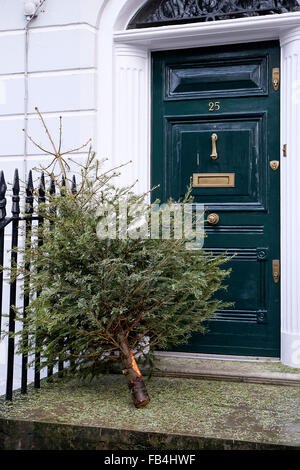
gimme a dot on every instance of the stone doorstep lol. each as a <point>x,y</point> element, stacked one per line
<point>36,435</point>
<point>230,378</point>
<point>270,372</point>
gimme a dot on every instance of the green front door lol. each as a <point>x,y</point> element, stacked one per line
<point>216,119</point>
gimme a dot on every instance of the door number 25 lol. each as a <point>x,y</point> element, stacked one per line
<point>214,106</point>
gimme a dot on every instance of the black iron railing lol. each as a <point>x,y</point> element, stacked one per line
<point>28,217</point>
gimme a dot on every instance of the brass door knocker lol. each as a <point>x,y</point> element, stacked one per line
<point>214,153</point>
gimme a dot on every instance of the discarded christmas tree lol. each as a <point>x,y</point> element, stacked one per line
<point>104,298</point>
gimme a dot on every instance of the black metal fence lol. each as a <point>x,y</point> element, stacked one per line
<point>28,216</point>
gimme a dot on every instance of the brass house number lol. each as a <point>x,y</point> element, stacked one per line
<point>214,106</point>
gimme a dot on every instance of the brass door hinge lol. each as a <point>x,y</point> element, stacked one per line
<point>276,78</point>
<point>276,270</point>
<point>284,150</point>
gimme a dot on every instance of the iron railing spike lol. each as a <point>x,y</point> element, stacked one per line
<point>29,195</point>
<point>52,187</point>
<point>74,186</point>
<point>29,184</point>
<point>16,195</point>
<point>3,186</point>
<point>16,183</point>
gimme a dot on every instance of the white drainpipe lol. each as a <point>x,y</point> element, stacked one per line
<point>31,11</point>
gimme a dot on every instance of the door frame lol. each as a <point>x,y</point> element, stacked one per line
<point>124,121</point>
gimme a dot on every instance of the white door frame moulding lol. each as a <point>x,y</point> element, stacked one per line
<point>124,88</point>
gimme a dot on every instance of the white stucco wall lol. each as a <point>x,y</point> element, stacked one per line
<point>62,70</point>
<point>62,82</point>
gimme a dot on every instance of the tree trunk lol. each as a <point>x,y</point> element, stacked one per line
<point>133,375</point>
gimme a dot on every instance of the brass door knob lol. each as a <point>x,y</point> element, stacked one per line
<point>213,219</point>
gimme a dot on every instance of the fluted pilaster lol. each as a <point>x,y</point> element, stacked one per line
<point>131,108</point>
<point>290,199</point>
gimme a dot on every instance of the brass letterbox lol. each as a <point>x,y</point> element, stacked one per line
<point>213,180</point>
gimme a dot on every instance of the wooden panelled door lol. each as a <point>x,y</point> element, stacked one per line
<point>216,119</point>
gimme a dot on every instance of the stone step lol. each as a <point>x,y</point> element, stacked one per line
<point>226,368</point>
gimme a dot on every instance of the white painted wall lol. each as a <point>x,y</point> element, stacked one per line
<point>62,82</point>
<point>62,71</point>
